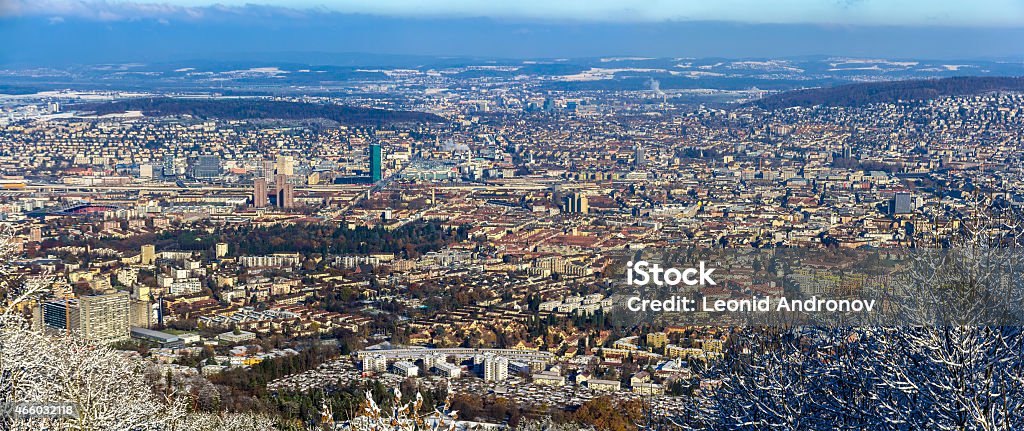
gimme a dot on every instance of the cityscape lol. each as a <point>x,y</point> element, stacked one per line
<point>441,242</point>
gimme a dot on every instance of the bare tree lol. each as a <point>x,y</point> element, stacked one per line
<point>404,416</point>
<point>958,361</point>
<point>788,380</point>
<point>951,358</point>
<point>107,387</point>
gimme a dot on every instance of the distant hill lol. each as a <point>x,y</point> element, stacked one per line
<point>243,109</point>
<point>890,92</point>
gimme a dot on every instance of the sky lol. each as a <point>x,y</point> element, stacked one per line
<point>54,31</point>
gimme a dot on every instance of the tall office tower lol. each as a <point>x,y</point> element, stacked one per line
<point>207,166</point>
<point>288,196</point>
<point>577,203</point>
<point>285,165</point>
<point>375,162</point>
<point>582,204</point>
<point>284,191</point>
<point>638,156</point>
<point>259,192</point>
<point>279,181</point>
<point>148,254</point>
<point>901,203</point>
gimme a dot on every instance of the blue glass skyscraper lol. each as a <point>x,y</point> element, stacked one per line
<point>375,160</point>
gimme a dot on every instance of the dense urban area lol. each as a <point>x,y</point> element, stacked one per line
<point>460,234</point>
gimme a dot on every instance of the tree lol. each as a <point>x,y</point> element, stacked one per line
<point>960,362</point>
<point>605,414</point>
<point>950,357</point>
<point>401,416</point>
<point>107,387</point>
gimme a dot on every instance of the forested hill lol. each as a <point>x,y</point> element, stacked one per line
<point>890,92</point>
<point>244,109</point>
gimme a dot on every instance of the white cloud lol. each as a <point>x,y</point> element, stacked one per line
<point>108,10</point>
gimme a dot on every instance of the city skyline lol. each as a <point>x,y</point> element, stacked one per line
<point>602,215</point>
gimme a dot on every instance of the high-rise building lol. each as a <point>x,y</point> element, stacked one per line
<point>375,162</point>
<point>375,363</point>
<point>288,196</point>
<point>902,203</point>
<point>148,252</point>
<point>495,368</point>
<point>577,203</point>
<point>169,167</point>
<point>259,192</point>
<point>104,318</point>
<point>60,314</point>
<point>18,244</point>
<point>285,165</point>
<point>266,168</point>
<point>284,191</point>
<point>140,314</point>
<point>207,166</point>
<point>405,369</point>
<point>99,318</point>
<point>639,159</point>
<point>221,250</point>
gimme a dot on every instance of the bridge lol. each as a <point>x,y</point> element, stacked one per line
<point>459,352</point>
<point>165,188</point>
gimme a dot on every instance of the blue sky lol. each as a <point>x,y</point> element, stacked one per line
<point>971,13</point>
<point>88,31</point>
